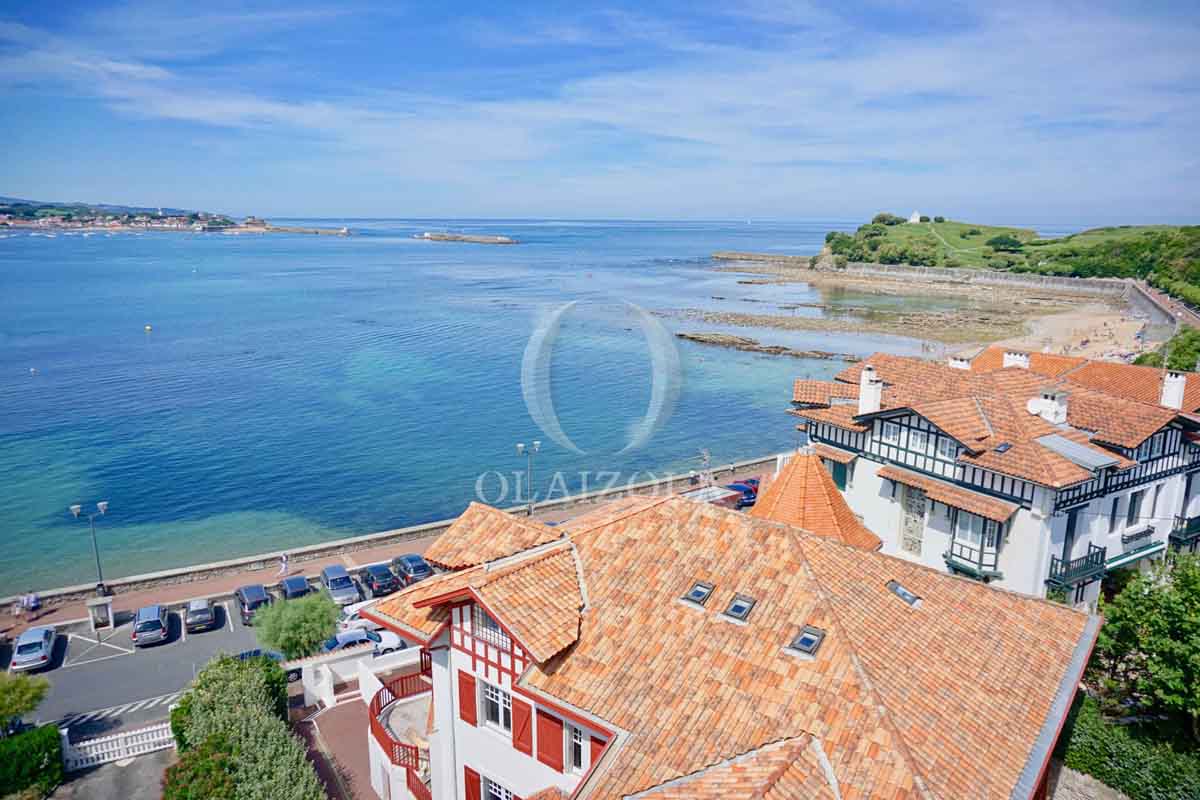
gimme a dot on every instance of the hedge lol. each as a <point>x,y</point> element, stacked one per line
<point>1128,758</point>
<point>228,682</point>
<point>31,759</point>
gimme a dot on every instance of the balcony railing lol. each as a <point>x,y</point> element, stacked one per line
<point>975,561</point>
<point>402,754</point>
<point>1186,532</point>
<point>1078,570</point>
<point>1137,538</point>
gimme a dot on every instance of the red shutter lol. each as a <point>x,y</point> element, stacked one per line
<point>549,740</point>
<point>522,721</point>
<point>597,749</point>
<point>466,699</point>
<point>471,777</point>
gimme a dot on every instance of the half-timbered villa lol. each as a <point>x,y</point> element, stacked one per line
<point>1034,471</point>
<point>659,647</point>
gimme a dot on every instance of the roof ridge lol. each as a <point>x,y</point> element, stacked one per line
<point>520,560</point>
<point>728,761</point>
<point>629,512</point>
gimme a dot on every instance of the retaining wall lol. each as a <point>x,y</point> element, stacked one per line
<point>1114,287</point>
<point>199,572</point>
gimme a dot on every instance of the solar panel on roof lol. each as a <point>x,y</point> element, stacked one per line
<point>1086,457</point>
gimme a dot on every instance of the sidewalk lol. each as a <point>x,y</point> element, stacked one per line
<point>179,593</point>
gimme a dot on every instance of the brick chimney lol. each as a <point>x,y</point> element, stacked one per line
<point>870,391</point>
<point>1172,390</point>
<point>1016,358</point>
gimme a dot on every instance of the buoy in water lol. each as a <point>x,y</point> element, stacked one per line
<point>149,328</point>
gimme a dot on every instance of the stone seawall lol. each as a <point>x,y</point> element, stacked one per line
<point>199,572</point>
<point>1111,287</point>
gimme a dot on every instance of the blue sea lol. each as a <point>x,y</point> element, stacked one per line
<point>299,388</point>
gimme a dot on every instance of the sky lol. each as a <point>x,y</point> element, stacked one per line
<point>994,112</point>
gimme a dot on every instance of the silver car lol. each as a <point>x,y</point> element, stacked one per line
<point>150,626</point>
<point>341,587</point>
<point>33,649</point>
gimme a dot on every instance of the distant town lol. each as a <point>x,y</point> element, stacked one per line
<point>16,213</point>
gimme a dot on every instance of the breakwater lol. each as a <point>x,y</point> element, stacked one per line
<point>470,238</point>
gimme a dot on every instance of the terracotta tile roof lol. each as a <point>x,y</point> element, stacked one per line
<point>1047,364</point>
<point>608,512</point>
<point>1124,423</point>
<point>1133,382</point>
<point>961,417</point>
<point>841,416</point>
<point>821,392</point>
<point>952,495</point>
<point>803,495</point>
<point>538,599</point>
<point>549,793</point>
<point>902,700</point>
<point>401,612</point>
<point>834,453</point>
<point>462,545</point>
<point>786,769</point>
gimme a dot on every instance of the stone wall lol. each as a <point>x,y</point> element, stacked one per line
<point>1067,784</point>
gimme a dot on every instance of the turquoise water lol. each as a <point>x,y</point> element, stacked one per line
<point>299,388</point>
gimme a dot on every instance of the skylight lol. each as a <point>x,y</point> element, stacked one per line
<point>699,593</point>
<point>903,593</point>
<point>808,640</point>
<point>1003,447</point>
<point>739,607</point>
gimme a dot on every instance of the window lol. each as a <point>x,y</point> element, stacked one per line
<point>488,630</point>
<point>739,607</point>
<point>1156,445</point>
<point>699,593</point>
<point>1134,513</point>
<point>1154,505</point>
<point>890,432</point>
<point>494,791</point>
<point>918,441</point>
<point>497,707</point>
<point>904,594</point>
<point>946,448</point>
<point>1112,514</point>
<point>808,640</point>
<point>576,763</point>
<point>976,530</point>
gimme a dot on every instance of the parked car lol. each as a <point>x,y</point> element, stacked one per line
<point>200,616</point>
<point>385,641</point>
<point>294,586</point>
<point>411,568</point>
<point>150,626</point>
<point>250,599</point>
<point>748,496</point>
<point>33,649</point>
<point>753,483</point>
<point>340,585</point>
<point>379,580</point>
<point>350,619</point>
<point>293,673</point>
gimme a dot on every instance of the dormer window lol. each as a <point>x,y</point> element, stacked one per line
<point>699,593</point>
<point>807,641</point>
<point>903,593</point>
<point>740,607</point>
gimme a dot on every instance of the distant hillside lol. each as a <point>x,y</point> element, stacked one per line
<point>1165,255</point>
<point>8,204</point>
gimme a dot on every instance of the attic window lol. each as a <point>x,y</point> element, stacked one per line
<point>739,607</point>
<point>1003,447</point>
<point>903,593</point>
<point>699,593</point>
<point>808,640</point>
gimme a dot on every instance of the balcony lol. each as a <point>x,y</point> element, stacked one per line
<point>1186,533</point>
<point>1136,539</point>
<point>1084,569</point>
<point>967,559</point>
<point>393,723</point>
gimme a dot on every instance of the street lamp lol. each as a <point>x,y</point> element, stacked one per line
<point>529,452</point>
<point>101,508</point>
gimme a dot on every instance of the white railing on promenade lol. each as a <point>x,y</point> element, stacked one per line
<point>115,747</point>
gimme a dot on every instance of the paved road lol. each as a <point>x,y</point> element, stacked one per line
<point>100,685</point>
<point>139,777</point>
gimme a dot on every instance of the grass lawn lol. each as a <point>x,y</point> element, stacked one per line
<point>954,239</point>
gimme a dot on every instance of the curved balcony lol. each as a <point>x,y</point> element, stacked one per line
<point>385,722</point>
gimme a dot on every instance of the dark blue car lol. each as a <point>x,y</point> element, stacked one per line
<point>749,496</point>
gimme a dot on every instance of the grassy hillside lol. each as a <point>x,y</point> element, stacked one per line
<point>941,242</point>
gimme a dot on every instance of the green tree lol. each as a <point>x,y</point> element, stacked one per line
<point>1148,652</point>
<point>20,694</point>
<point>884,218</point>
<point>1005,243</point>
<point>297,628</point>
<point>939,219</point>
<point>1181,351</point>
<point>227,682</point>
<point>202,773</point>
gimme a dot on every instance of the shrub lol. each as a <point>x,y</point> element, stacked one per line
<point>297,628</point>
<point>924,218</point>
<point>939,219</point>
<point>884,218</point>
<point>1005,243</point>
<point>20,694</point>
<point>1129,758</point>
<point>202,773</point>
<point>973,232</point>
<point>227,685</point>
<point>31,759</point>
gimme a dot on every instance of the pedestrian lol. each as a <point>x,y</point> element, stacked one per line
<point>35,605</point>
<point>283,565</point>
<point>18,608</point>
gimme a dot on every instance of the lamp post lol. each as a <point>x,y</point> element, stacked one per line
<point>101,508</point>
<point>529,452</point>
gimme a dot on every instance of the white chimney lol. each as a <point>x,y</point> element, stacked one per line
<point>959,362</point>
<point>1052,407</point>
<point>870,391</point>
<point>1172,390</point>
<point>1015,358</point>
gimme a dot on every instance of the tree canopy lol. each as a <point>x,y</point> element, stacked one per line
<point>20,694</point>
<point>297,627</point>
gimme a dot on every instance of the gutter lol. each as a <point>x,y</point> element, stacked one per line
<point>1034,771</point>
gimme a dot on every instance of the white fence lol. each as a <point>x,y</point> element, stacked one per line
<point>115,747</point>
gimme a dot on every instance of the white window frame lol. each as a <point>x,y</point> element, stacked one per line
<point>924,446</point>
<point>574,736</point>
<point>485,628</point>
<point>979,532</point>
<point>889,432</point>
<point>1131,519</point>
<point>503,703</point>
<point>495,791</point>
<point>947,448</point>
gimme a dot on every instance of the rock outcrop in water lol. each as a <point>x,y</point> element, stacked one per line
<point>754,346</point>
